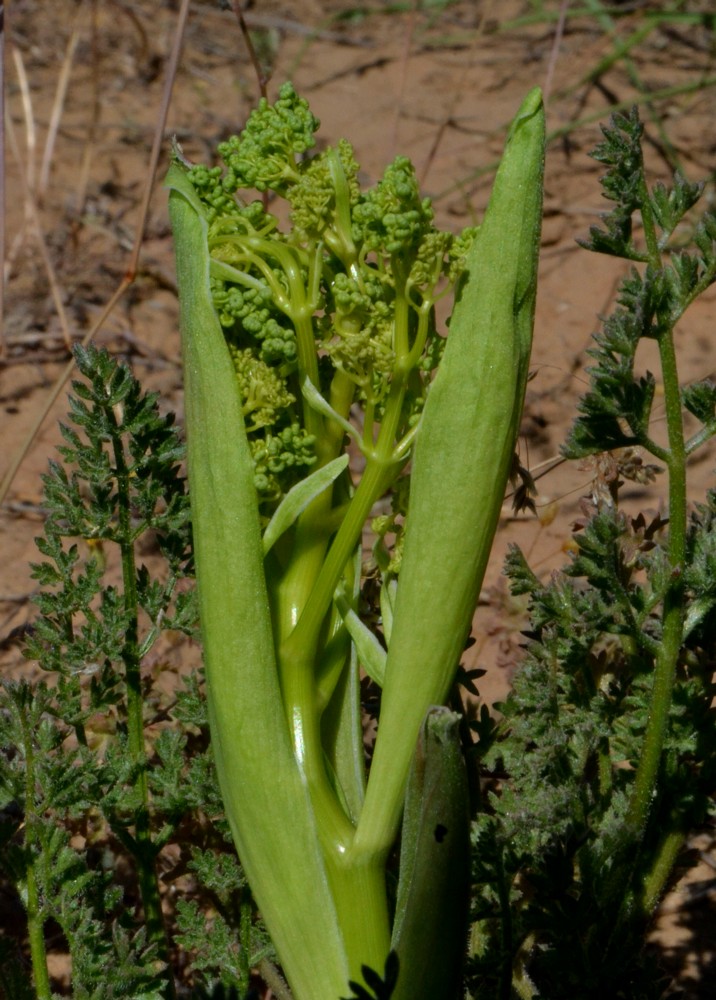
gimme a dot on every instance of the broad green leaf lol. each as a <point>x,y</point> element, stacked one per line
<point>261,783</point>
<point>463,456</point>
<point>299,497</point>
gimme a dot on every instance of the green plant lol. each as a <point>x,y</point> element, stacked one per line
<point>602,760</point>
<point>285,335</point>
<point>606,748</point>
<point>103,773</point>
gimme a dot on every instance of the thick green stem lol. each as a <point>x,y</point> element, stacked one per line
<point>308,367</point>
<point>315,525</point>
<point>358,885</point>
<point>301,644</point>
<point>297,662</point>
<point>362,910</point>
<point>298,651</point>
<point>292,592</point>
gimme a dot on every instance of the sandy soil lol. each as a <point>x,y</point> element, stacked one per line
<point>437,81</point>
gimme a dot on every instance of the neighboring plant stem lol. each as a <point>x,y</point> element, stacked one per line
<point>653,885</point>
<point>144,848</point>
<point>35,915</point>
<point>673,610</point>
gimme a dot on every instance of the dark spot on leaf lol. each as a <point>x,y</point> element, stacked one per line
<point>440,833</point>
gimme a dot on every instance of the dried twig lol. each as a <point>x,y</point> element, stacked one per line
<point>26,174</point>
<point>134,257</point>
<point>56,115</point>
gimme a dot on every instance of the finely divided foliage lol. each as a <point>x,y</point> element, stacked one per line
<point>607,744</point>
<point>100,770</point>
